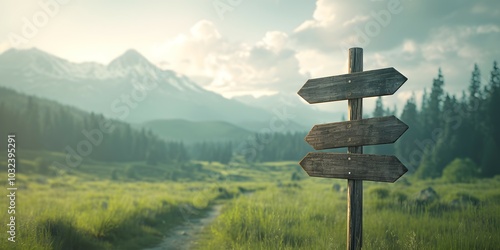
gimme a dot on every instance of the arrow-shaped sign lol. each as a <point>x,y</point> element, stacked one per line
<point>351,86</point>
<point>372,131</point>
<point>353,166</point>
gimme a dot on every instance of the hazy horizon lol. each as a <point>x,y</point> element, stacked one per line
<point>224,48</point>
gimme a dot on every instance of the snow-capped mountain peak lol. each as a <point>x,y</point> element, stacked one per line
<point>129,88</point>
<point>131,58</point>
<point>132,63</point>
<point>33,61</point>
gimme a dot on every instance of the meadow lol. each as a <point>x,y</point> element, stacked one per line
<point>97,206</point>
<point>311,215</point>
<point>270,205</point>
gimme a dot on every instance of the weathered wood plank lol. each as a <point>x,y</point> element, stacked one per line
<point>385,168</point>
<point>372,131</point>
<point>355,187</point>
<point>351,86</point>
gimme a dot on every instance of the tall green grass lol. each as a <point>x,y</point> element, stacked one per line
<point>310,215</point>
<point>103,206</point>
<point>81,211</point>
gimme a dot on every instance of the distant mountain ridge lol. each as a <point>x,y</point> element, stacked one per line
<point>129,87</point>
<point>189,131</point>
<point>132,89</point>
<point>303,113</point>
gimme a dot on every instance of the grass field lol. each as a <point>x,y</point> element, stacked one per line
<point>111,206</point>
<point>311,215</point>
<point>133,205</point>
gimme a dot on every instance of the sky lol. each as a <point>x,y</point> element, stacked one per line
<point>258,47</point>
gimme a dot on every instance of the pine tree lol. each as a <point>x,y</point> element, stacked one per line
<point>490,159</point>
<point>386,149</point>
<point>227,153</point>
<point>128,143</point>
<point>433,118</point>
<point>432,125</point>
<point>475,86</point>
<point>142,146</point>
<point>379,108</point>
<point>31,126</point>
<point>182,154</point>
<point>490,156</point>
<point>475,119</point>
<point>425,98</point>
<point>406,149</point>
<point>493,103</point>
<point>448,146</point>
<point>49,134</point>
<point>66,127</point>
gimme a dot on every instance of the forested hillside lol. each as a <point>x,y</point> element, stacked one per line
<point>445,127</point>
<point>46,125</point>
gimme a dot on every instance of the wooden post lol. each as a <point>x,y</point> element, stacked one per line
<point>355,187</point>
<point>354,134</point>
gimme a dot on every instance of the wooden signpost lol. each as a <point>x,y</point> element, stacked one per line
<point>354,134</point>
<point>353,166</point>
<point>351,86</point>
<point>372,131</point>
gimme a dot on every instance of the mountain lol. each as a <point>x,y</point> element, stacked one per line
<point>129,88</point>
<point>42,124</point>
<point>302,115</point>
<point>132,89</point>
<point>188,131</point>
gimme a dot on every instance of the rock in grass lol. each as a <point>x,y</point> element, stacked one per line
<point>426,196</point>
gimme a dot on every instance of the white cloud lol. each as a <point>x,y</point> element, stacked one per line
<point>449,43</point>
<point>274,40</point>
<point>4,46</point>
<point>325,11</point>
<point>318,64</point>
<point>231,68</point>
<point>485,9</point>
<point>491,28</point>
<point>323,16</point>
<point>205,30</point>
<point>317,47</point>
<point>410,47</point>
<point>380,60</point>
<point>383,25</point>
<point>340,24</point>
<point>355,20</point>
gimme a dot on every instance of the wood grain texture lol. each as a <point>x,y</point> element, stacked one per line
<point>384,168</point>
<point>372,131</point>
<point>355,187</point>
<point>351,86</point>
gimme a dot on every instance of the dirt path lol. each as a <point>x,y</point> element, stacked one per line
<point>183,237</point>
